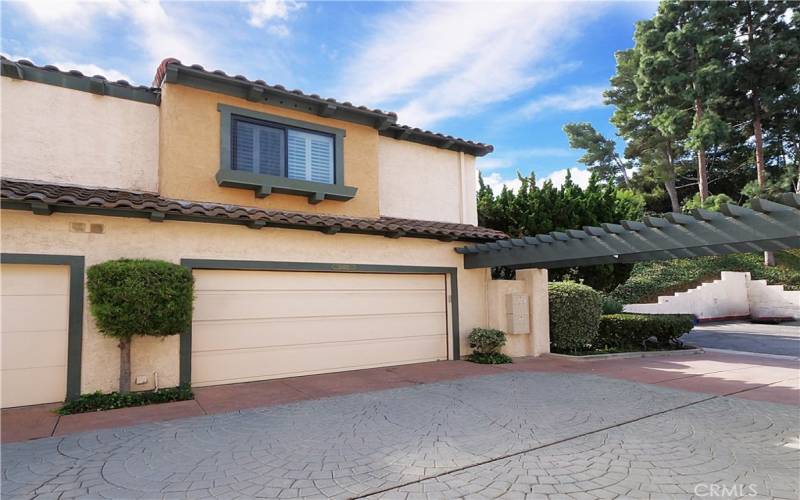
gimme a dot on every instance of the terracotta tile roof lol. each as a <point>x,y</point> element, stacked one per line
<point>385,121</point>
<point>21,194</point>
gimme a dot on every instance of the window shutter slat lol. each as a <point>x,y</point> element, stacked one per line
<point>270,151</point>
<point>245,146</point>
<point>297,156</point>
<point>321,159</point>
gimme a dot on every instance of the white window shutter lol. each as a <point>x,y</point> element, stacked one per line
<point>310,157</point>
<point>259,149</point>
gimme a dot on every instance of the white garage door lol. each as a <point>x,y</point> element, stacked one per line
<point>35,320</point>
<point>256,325</point>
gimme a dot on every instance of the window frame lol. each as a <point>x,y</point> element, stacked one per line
<point>265,184</point>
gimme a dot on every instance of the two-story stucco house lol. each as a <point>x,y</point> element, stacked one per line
<point>321,234</point>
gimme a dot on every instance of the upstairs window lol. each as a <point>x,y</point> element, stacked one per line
<point>274,149</point>
<point>277,154</point>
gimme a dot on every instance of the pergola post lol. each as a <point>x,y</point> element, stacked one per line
<point>535,281</point>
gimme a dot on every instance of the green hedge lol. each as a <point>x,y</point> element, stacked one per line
<point>648,280</point>
<point>629,331</point>
<point>574,316</point>
<point>140,297</point>
<point>98,401</point>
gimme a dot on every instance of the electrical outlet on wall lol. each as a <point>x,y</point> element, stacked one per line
<point>141,379</point>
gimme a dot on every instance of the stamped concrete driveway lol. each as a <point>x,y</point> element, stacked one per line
<point>781,339</point>
<point>506,435</point>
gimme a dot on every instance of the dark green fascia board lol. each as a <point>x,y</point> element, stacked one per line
<point>264,185</point>
<point>250,265</point>
<point>76,264</point>
<point>82,83</point>
<point>434,140</point>
<point>253,91</point>
<point>148,214</point>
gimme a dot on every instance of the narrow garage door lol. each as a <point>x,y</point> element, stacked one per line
<point>33,336</point>
<point>255,325</point>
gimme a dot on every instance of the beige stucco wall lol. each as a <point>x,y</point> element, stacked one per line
<point>24,232</point>
<point>190,155</point>
<point>50,133</point>
<point>533,284</point>
<point>423,182</point>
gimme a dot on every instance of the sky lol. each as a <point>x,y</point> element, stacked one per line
<point>506,74</point>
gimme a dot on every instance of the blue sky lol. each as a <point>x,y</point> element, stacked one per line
<point>508,74</point>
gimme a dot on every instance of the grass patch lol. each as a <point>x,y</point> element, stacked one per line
<point>99,401</point>
<point>491,358</point>
<point>649,280</point>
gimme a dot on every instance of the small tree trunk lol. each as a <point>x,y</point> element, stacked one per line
<point>669,183</point>
<point>125,365</point>
<point>702,173</point>
<point>673,195</point>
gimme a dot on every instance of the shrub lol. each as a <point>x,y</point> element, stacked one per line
<point>139,297</point>
<point>610,305</point>
<point>486,344</point>
<point>574,316</point>
<point>99,401</point>
<point>629,331</point>
<point>651,279</point>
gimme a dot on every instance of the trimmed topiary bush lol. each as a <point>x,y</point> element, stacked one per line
<point>629,331</point>
<point>486,344</point>
<point>610,305</point>
<point>139,297</point>
<point>574,316</point>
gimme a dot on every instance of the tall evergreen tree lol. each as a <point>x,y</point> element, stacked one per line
<point>601,153</point>
<point>682,69</point>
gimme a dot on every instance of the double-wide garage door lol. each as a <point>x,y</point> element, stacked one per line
<point>33,335</point>
<point>256,325</point>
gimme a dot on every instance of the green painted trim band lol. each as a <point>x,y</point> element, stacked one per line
<point>147,214</point>
<point>251,265</point>
<point>82,83</point>
<point>76,266</point>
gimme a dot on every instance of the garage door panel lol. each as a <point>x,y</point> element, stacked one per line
<point>34,333</point>
<point>304,303</point>
<point>49,348</point>
<point>24,313</point>
<point>292,280</point>
<point>216,335</point>
<point>256,325</point>
<point>30,386</point>
<point>262,364</point>
<point>26,279</point>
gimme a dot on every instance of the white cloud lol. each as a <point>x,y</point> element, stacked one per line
<point>69,15</point>
<point>580,176</point>
<point>157,33</point>
<point>92,70</point>
<point>273,14</point>
<point>574,99</point>
<point>516,157</point>
<point>444,59</point>
<point>496,182</point>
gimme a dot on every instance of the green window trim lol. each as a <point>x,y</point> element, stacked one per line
<point>185,355</point>
<point>263,184</point>
<point>75,323</point>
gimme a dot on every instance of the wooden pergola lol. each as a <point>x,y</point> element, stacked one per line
<point>767,226</point>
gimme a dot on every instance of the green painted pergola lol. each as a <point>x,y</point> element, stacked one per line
<point>767,226</point>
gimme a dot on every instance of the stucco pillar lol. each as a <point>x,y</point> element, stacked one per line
<point>535,281</point>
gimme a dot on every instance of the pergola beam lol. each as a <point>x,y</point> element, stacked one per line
<point>768,226</point>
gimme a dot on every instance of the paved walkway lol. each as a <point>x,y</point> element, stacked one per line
<point>539,427</point>
<point>781,339</point>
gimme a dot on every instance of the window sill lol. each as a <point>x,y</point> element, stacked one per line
<point>264,185</point>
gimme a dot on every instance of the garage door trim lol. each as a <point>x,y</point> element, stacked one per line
<point>76,264</point>
<point>250,265</point>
